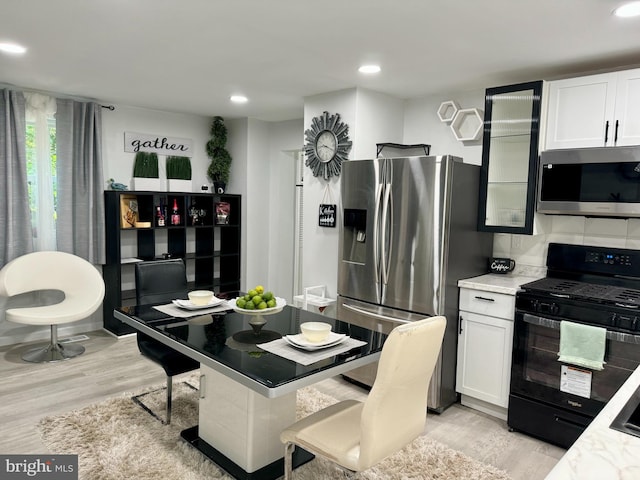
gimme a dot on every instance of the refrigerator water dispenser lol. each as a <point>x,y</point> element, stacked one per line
<point>354,235</point>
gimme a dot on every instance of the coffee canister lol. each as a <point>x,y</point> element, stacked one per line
<point>502,265</point>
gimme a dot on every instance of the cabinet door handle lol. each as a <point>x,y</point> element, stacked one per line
<point>485,299</point>
<point>460,325</point>
<point>615,138</point>
<point>606,132</point>
<point>203,382</point>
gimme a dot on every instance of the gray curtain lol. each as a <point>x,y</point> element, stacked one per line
<point>80,206</point>
<point>15,219</point>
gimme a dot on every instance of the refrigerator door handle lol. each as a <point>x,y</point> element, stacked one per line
<point>376,237</point>
<point>372,314</point>
<point>386,222</point>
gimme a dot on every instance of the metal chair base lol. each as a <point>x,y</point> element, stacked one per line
<point>54,352</point>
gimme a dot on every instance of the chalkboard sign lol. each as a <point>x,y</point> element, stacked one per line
<point>327,215</point>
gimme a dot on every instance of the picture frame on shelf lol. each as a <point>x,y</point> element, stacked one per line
<point>223,212</point>
<point>128,211</point>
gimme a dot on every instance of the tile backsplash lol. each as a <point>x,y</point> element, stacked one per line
<point>531,250</point>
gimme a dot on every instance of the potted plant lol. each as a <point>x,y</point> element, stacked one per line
<point>218,170</point>
<point>145,172</point>
<point>178,174</point>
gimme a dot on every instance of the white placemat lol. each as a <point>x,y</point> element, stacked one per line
<point>175,311</point>
<point>281,348</point>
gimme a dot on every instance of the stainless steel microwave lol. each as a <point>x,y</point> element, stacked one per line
<point>602,182</point>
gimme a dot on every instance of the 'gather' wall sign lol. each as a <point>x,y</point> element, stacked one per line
<point>136,142</point>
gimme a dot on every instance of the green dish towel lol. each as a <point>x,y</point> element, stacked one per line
<point>582,345</point>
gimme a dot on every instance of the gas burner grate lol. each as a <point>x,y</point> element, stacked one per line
<point>553,285</point>
<point>592,292</point>
<point>628,296</point>
<point>564,286</point>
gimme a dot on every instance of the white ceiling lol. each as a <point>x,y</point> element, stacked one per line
<point>191,55</point>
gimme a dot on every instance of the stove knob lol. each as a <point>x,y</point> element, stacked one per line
<point>613,319</point>
<point>554,309</point>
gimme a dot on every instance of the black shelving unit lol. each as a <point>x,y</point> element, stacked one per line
<point>210,248</point>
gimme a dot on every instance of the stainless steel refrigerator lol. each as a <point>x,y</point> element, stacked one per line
<point>408,235</point>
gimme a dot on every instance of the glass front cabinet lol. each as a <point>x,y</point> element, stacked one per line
<point>509,158</point>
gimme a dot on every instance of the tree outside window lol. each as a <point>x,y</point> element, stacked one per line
<point>41,178</point>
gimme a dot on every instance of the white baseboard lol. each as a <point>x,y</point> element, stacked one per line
<point>30,333</point>
<point>485,407</point>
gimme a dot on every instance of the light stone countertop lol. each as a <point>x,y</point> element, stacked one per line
<point>507,283</point>
<point>602,453</point>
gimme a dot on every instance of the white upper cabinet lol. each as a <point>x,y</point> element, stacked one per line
<point>594,111</point>
<point>627,110</point>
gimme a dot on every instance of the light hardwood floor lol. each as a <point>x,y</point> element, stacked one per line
<point>112,366</point>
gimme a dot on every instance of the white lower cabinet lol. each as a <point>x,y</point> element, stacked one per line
<point>485,340</point>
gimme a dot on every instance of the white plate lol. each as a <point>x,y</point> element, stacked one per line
<point>299,341</point>
<point>188,305</point>
<point>280,303</point>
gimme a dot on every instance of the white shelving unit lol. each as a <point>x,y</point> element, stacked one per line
<point>467,124</point>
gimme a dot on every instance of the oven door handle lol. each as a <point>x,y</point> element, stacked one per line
<point>555,325</point>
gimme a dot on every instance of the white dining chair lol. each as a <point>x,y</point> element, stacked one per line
<point>79,281</point>
<point>357,435</point>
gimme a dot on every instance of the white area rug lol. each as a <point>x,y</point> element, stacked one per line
<point>118,440</point>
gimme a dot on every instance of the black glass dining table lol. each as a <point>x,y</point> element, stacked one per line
<point>248,395</point>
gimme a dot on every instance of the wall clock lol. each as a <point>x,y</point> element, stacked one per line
<point>327,145</point>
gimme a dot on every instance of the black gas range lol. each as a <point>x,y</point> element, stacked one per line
<point>591,285</point>
<point>594,303</point>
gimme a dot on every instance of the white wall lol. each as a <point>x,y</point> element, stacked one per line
<point>319,264</point>
<point>263,173</point>
<point>238,147</point>
<point>257,200</point>
<point>379,119</point>
<point>285,140</point>
<point>422,125</point>
<point>118,164</point>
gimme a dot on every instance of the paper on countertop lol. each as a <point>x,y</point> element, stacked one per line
<point>283,349</point>
<point>175,311</point>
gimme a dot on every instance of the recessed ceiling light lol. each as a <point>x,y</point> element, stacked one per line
<point>12,48</point>
<point>369,69</point>
<point>239,99</point>
<point>628,10</point>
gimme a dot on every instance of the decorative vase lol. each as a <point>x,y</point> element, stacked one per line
<point>142,184</point>
<point>219,187</point>
<point>177,185</point>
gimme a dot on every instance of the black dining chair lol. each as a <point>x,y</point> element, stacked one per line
<point>162,281</point>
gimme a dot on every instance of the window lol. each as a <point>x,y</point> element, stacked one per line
<point>41,169</point>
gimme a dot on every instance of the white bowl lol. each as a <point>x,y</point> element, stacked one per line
<point>200,297</point>
<point>315,332</point>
